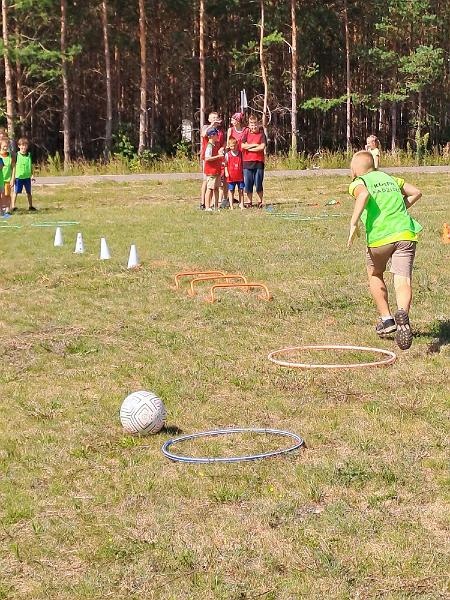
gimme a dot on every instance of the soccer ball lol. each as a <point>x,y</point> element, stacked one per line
<point>142,412</point>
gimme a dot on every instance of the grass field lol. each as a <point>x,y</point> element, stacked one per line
<point>89,513</point>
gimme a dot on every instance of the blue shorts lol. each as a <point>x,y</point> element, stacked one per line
<point>233,184</point>
<point>19,184</point>
<point>253,177</point>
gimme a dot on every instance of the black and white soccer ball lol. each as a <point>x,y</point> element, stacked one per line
<point>142,412</point>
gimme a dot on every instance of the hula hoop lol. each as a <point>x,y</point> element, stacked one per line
<point>54,223</point>
<point>391,357</point>
<point>297,217</point>
<point>231,459</point>
<point>10,226</point>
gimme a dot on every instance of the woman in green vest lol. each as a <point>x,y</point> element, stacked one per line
<point>382,203</point>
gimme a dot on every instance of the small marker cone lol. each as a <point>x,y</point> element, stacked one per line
<point>133,259</point>
<point>104,250</point>
<point>58,237</point>
<point>79,245</point>
<point>446,234</point>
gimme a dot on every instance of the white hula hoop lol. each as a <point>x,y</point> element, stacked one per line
<point>230,459</point>
<point>390,357</point>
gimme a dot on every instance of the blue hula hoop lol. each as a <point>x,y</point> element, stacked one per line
<point>231,459</point>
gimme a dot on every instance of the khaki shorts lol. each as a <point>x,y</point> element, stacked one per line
<point>213,182</point>
<point>401,254</point>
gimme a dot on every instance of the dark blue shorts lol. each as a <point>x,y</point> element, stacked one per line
<point>19,184</point>
<point>233,184</point>
<point>253,177</point>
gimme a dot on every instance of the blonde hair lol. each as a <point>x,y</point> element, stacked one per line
<point>23,140</point>
<point>373,138</point>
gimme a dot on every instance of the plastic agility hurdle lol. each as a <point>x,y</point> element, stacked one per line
<point>183,274</point>
<point>266,295</point>
<point>191,291</point>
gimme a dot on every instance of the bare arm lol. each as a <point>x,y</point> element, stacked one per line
<point>411,194</point>
<point>362,195</point>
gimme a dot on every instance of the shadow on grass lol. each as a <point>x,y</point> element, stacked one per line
<point>439,332</point>
<point>171,430</point>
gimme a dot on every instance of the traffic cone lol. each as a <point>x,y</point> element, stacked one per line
<point>446,234</point>
<point>58,237</point>
<point>133,259</point>
<point>79,244</point>
<point>104,250</point>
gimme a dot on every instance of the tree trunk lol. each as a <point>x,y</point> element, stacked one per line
<point>143,84</point>
<point>294,79</point>
<point>347,70</point>
<point>201,36</point>
<point>263,67</point>
<point>393,126</point>
<point>65,81</point>
<point>19,89</point>
<point>8,74</point>
<point>108,127</point>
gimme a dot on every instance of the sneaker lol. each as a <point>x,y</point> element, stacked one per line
<point>209,210</point>
<point>201,207</point>
<point>403,335</point>
<point>385,327</point>
<point>32,208</point>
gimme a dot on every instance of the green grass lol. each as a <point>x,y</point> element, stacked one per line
<point>89,513</point>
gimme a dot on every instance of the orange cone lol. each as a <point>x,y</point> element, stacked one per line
<point>446,234</point>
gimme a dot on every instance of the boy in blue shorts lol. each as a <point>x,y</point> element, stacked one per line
<point>22,174</point>
<point>382,202</point>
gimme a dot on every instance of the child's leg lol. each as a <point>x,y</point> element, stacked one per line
<point>216,198</point>
<point>241,196</point>
<point>379,291</point>
<point>401,267</point>
<point>249,180</point>
<point>230,195</point>
<point>403,292</point>
<point>259,178</point>
<point>30,201</point>
<point>208,196</point>
<point>203,193</point>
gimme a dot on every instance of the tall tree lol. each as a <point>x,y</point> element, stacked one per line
<point>263,66</point>
<point>293,78</point>
<point>348,79</point>
<point>143,84</point>
<point>65,81</point>
<point>10,113</point>
<point>201,36</point>
<point>108,126</point>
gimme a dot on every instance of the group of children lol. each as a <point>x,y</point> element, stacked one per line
<point>15,173</point>
<point>231,160</point>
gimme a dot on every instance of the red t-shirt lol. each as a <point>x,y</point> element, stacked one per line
<point>213,167</point>
<point>234,166</point>
<point>253,157</point>
<point>220,141</point>
<point>238,135</point>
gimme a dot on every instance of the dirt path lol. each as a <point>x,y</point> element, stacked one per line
<point>89,179</point>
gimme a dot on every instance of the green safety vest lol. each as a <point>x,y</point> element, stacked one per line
<point>23,166</point>
<point>7,167</point>
<point>385,214</point>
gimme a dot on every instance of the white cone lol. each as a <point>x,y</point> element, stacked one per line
<point>104,250</point>
<point>79,245</point>
<point>133,259</point>
<point>58,237</point>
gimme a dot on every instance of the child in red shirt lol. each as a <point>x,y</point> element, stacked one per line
<point>253,155</point>
<point>212,168</point>
<point>234,172</point>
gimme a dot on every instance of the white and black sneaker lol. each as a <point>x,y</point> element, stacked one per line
<point>385,327</point>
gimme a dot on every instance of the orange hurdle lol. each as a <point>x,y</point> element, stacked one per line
<point>191,291</point>
<point>266,295</point>
<point>178,276</point>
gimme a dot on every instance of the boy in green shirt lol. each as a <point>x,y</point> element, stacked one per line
<point>23,174</point>
<point>382,203</point>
